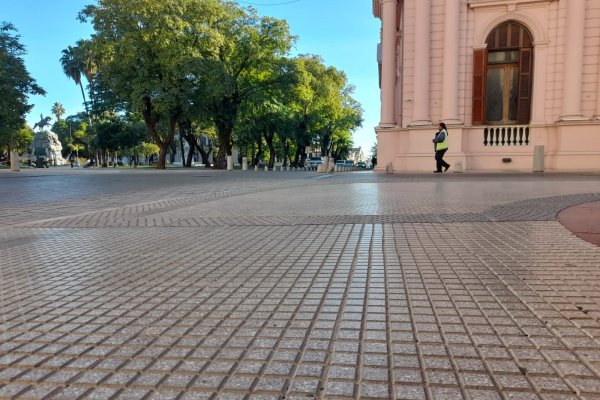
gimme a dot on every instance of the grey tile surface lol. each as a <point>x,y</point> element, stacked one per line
<point>178,284</point>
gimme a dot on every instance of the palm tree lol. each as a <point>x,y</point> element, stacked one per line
<point>88,65</point>
<point>58,110</point>
<point>73,67</point>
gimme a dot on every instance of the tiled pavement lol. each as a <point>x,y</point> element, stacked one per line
<point>213,285</point>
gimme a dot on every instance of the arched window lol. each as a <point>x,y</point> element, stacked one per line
<point>502,77</point>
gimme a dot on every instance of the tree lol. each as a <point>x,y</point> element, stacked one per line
<point>148,150</point>
<point>197,135</point>
<point>81,138</point>
<point>338,113</point>
<point>73,66</point>
<point>16,85</point>
<point>267,118</point>
<point>249,61</point>
<point>324,113</point>
<point>23,138</point>
<point>58,110</point>
<point>145,51</point>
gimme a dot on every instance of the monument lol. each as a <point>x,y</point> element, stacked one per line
<point>45,146</point>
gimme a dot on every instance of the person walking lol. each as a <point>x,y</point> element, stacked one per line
<point>441,147</point>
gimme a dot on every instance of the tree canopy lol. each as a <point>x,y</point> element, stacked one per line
<point>16,85</point>
<point>182,64</point>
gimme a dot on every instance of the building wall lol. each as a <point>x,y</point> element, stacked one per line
<point>554,66</point>
<point>407,63</point>
<point>568,145</point>
<point>591,53</point>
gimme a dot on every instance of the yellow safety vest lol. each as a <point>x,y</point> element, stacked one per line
<point>442,145</point>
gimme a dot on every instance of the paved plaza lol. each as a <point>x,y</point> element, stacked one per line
<point>194,284</point>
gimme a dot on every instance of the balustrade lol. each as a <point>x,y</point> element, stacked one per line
<point>506,135</point>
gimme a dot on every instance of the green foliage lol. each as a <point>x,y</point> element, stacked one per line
<point>147,149</point>
<point>247,65</point>
<point>197,62</point>
<point>337,113</point>
<point>15,86</point>
<point>145,51</point>
<point>58,110</point>
<point>73,64</point>
<point>118,134</point>
<point>23,139</point>
<point>61,128</point>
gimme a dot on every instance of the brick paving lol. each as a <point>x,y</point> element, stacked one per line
<point>118,284</point>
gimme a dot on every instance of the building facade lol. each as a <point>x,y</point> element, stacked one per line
<point>506,76</point>
<point>356,154</point>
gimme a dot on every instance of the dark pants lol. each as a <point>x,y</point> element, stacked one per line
<point>439,160</point>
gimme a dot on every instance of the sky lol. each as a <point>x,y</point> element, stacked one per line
<point>343,32</point>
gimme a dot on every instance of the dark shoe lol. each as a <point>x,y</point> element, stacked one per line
<point>446,168</point>
<point>437,172</point>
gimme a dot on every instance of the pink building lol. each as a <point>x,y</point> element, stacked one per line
<point>506,76</point>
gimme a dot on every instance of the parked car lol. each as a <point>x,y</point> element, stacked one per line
<point>340,163</point>
<point>349,163</point>
<point>313,162</point>
<point>361,164</point>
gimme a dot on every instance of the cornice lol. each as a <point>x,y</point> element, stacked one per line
<point>377,8</point>
<point>508,3</point>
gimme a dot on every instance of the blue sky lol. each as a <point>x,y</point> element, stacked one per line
<point>343,32</point>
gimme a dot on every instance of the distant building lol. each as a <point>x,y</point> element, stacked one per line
<point>504,75</point>
<point>356,154</point>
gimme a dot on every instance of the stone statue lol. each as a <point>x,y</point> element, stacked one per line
<point>44,121</point>
<point>45,145</point>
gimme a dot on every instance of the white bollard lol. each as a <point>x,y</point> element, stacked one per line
<point>229,163</point>
<point>266,168</point>
<point>256,167</point>
<point>538,158</point>
<point>458,167</point>
<point>288,168</point>
<point>244,163</point>
<point>14,161</point>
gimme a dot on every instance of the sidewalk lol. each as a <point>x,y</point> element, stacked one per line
<point>272,285</point>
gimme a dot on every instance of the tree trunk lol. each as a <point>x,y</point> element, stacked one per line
<point>301,154</point>
<point>172,151</point>
<point>205,154</point>
<point>224,118</point>
<point>269,140</point>
<point>166,144</point>
<point>297,156</point>
<point>190,157</point>
<point>183,163</point>
<point>225,146</point>
<point>286,149</point>
<point>151,121</point>
<point>325,144</point>
<point>162,157</point>
<point>87,111</point>
<point>259,152</point>
<point>185,132</point>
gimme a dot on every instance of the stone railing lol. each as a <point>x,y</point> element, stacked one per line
<point>506,135</point>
